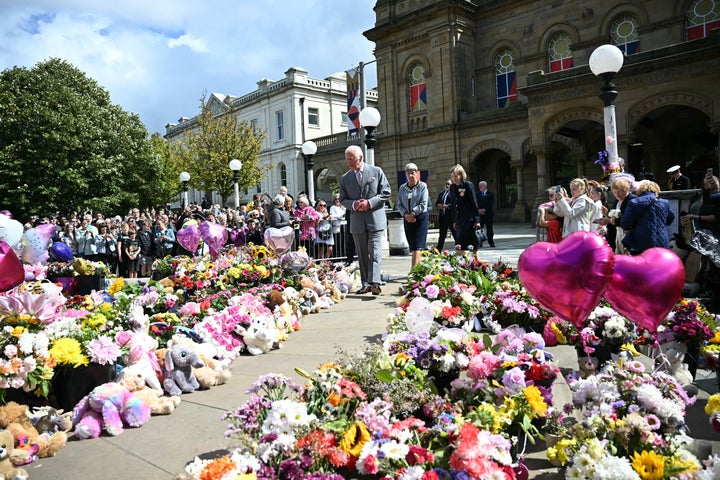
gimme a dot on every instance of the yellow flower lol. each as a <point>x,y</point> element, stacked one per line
<point>354,438</point>
<point>713,404</point>
<point>233,272</point>
<point>649,465</point>
<point>716,338</point>
<point>535,400</point>
<point>116,286</point>
<point>17,331</point>
<point>560,450</point>
<point>67,351</point>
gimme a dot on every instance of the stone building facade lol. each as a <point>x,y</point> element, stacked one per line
<point>503,88</point>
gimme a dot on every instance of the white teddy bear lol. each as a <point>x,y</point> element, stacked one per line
<point>260,337</point>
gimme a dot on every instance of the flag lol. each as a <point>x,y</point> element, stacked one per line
<point>418,97</point>
<point>353,100</point>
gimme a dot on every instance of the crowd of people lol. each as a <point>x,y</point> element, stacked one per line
<point>130,243</point>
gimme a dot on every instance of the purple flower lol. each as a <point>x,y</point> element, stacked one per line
<point>432,292</point>
<point>514,380</point>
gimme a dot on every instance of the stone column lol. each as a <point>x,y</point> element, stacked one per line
<point>521,211</point>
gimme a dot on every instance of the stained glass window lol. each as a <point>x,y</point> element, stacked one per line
<point>418,92</point>
<point>505,80</point>
<point>624,34</point>
<point>703,16</point>
<point>560,56</point>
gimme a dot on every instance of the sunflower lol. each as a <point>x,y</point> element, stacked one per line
<point>649,465</point>
<point>354,438</point>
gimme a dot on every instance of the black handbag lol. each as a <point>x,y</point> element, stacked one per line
<point>480,236</point>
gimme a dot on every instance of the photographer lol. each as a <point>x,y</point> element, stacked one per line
<point>164,240</point>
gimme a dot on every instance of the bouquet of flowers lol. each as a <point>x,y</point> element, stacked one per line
<point>689,323</point>
<point>512,305</point>
<point>611,329</point>
<point>631,424</point>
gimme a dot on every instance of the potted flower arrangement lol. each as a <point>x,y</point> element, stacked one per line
<point>512,305</point>
<point>690,323</point>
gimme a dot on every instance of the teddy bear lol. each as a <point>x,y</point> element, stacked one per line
<point>159,404</point>
<point>671,360</point>
<point>8,471</point>
<point>588,366</point>
<point>259,337</point>
<point>141,348</point>
<point>20,421</point>
<point>178,376</point>
<point>309,301</point>
<point>213,372</point>
<point>109,407</point>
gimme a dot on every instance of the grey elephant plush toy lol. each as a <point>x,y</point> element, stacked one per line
<point>178,376</point>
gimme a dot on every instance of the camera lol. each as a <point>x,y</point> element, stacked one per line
<point>558,188</point>
<point>710,172</point>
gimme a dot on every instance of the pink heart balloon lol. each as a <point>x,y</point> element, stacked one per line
<point>645,287</point>
<point>12,272</point>
<point>189,238</point>
<point>214,235</point>
<point>570,277</point>
<point>279,240</point>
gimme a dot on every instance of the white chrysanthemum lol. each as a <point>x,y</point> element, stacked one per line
<point>652,399</point>
<point>245,461</point>
<point>63,327</point>
<point>286,415</point>
<point>574,473</point>
<point>196,466</point>
<point>414,473</point>
<point>394,450</point>
<point>584,461</point>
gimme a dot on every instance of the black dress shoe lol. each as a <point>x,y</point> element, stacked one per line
<point>492,245</point>
<point>376,289</point>
<point>364,290</point>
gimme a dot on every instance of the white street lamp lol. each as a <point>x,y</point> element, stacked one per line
<point>369,120</point>
<point>308,150</point>
<point>235,166</point>
<point>605,62</point>
<point>185,178</point>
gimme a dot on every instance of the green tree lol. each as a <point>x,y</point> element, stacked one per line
<point>64,146</point>
<point>206,148</point>
<point>164,167</point>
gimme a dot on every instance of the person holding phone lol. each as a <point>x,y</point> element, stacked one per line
<point>576,210</point>
<point>704,211</point>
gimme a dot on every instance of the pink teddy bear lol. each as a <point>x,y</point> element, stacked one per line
<point>109,406</point>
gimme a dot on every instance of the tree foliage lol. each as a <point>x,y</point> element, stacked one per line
<point>64,146</point>
<point>206,148</point>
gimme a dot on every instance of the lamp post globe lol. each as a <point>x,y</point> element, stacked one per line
<point>235,166</point>
<point>309,149</point>
<point>185,178</point>
<point>370,119</point>
<point>605,61</point>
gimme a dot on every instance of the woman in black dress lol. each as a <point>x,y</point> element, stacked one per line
<point>467,216</point>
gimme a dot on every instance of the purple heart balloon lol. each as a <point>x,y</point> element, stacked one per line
<point>279,240</point>
<point>570,277</point>
<point>61,252</point>
<point>214,235</point>
<point>646,287</point>
<point>189,238</point>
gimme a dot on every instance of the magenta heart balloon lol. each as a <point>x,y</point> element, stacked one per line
<point>279,240</point>
<point>12,272</point>
<point>570,277</point>
<point>189,238</point>
<point>645,287</point>
<point>214,235</point>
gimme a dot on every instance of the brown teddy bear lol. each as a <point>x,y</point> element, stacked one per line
<point>8,471</point>
<point>159,403</point>
<point>16,419</point>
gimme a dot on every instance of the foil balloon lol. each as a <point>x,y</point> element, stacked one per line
<point>214,235</point>
<point>61,252</point>
<point>12,272</point>
<point>189,238</point>
<point>645,287</point>
<point>296,261</point>
<point>36,242</point>
<point>11,231</point>
<point>279,240</point>
<point>570,277</point>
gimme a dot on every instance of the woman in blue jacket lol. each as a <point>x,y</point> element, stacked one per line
<point>646,219</point>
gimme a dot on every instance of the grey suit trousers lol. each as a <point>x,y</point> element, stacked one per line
<point>369,253</point>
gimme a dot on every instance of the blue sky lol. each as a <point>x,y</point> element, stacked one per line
<point>158,57</point>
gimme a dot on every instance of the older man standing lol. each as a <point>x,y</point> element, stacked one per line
<point>364,189</point>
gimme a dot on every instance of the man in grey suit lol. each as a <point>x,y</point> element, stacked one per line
<point>364,189</point>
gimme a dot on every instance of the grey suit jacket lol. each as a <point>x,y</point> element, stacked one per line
<point>375,188</point>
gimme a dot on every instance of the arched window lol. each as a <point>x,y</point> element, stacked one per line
<point>505,78</point>
<point>418,92</point>
<point>283,175</point>
<point>624,34</point>
<point>702,16</point>
<point>560,56</point>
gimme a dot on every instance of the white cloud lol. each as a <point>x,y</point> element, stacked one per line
<point>157,58</point>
